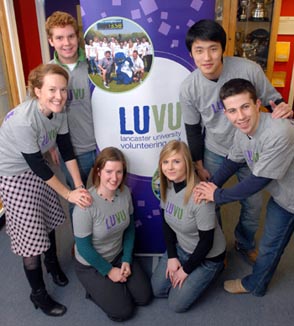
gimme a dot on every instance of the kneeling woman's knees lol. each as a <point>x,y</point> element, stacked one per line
<point>176,307</point>
<point>122,315</point>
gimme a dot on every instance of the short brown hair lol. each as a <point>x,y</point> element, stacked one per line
<point>36,76</point>
<point>60,19</point>
<point>112,154</point>
<point>237,86</point>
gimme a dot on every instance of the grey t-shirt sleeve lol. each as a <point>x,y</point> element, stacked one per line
<point>82,222</point>
<point>26,137</point>
<point>191,114</point>
<point>276,156</point>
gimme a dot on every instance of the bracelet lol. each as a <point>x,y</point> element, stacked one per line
<point>67,195</point>
<point>80,187</point>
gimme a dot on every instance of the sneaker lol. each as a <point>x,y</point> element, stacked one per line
<point>106,85</point>
<point>250,255</point>
<point>234,287</point>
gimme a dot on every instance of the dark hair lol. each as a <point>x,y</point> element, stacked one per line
<point>112,154</point>
<point>237,86</point>
<point>36,76</point>
<point>206,30</point>
<point>171,148</point>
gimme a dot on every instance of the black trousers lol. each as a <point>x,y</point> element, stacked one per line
<point>117,300</point>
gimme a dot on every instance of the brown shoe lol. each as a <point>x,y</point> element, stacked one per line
<point>250,255</point>
<point>235,286</point>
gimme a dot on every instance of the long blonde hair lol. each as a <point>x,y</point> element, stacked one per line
<point>171,148</point>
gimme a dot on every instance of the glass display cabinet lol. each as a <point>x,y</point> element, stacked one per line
<point>251,27</point>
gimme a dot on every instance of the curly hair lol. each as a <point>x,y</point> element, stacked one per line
<point>60,19</point>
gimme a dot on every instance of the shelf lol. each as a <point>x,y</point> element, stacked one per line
<point>251,30</point>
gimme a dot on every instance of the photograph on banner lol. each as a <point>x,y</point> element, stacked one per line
<point>140,116</point>
<point>119,54</point>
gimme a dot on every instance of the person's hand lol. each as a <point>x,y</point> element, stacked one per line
<point>54,155</point>
<point>197,196</point>
<point>179,278</point>
<point>204,191</point>
<point>125,269</point>
<point>173,264</point>
<point>282,110</point>
<point>80,197</point>
<point>203,174</point>
<point>115,275</point>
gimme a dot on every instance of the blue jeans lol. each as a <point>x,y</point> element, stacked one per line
<point>250,207</point>
<point>278,229</point>
<point>180,299</point>
<point>93,65</point>
<point>85,163</point>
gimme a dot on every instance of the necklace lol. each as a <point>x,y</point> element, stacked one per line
<point>43,111</point>
<point>107,198</point>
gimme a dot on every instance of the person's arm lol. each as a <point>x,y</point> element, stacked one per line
<point>270,97</point>
<point>128,241</point>
<point>202,249</point>
<point>280,109</point>
<point>37,164</point>
<point>65,147</point>
<point>195,141</point>
<point>87,251</point>
<point>241,190</point>
<point>225,171</point>
<point>169,237</point>
<point>66,150</point>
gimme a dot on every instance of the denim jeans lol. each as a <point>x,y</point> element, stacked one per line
<point>278,229</point>
<point>85,163</point>
<point>180,299</point>
<point>250,207</point>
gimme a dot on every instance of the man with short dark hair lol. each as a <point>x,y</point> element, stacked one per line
<point>209,133</point>
<point>266,145</point>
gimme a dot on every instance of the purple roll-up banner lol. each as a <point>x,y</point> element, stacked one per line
<point>140,113</point>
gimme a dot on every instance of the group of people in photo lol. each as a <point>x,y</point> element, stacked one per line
<point>110,57</point>
<point>239,140</point>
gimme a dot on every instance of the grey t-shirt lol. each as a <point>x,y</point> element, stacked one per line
<point>186,220</point>
<point>26,130</point>
<point>106,221</point>
<point>200,103</point>
<point>269,153</point>
<point>79,107</point>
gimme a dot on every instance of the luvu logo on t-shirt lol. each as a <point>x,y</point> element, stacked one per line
<point>49,136</point>
<point>251,156</point>
<point>174,210</point>
<point>115,219</point>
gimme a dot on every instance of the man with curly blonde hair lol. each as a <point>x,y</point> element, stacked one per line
<point>63,35</point>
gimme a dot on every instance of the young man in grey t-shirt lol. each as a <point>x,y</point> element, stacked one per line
<point>63,35</point>
<point>203,111</point>
<point>266,145</point>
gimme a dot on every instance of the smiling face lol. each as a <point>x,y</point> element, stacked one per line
<point>242,112</point>
<point>65,41</point>
<point>174,167</point>
<point>207,56</point>
<point>111,177</point>
<point>53,94</point>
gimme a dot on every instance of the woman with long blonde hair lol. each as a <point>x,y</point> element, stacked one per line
<point>194,240</point>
